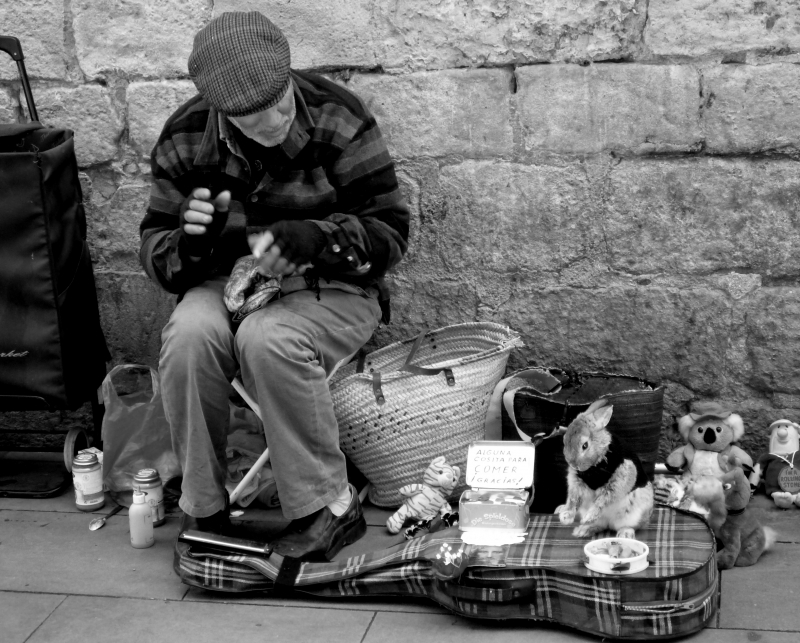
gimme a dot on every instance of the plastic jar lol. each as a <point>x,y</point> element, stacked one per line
<point>140,519</point>
<point>87,479</point>
<point>149,483</point>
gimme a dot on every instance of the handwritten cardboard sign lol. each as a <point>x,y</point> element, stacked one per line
<point>500,465</point>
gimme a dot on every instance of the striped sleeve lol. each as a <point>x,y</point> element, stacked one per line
<point>163,252</point>
<point>373,217</point>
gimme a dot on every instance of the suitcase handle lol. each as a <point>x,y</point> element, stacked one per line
<point>13,48</point>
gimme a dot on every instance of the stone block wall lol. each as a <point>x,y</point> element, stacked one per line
<point>616,180</point>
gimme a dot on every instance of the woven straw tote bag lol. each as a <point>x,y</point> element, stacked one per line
<point>403,405</point>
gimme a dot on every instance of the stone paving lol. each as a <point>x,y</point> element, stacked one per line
<point>61,582</point>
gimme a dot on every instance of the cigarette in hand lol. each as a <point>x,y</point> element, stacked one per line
<point>260,243</point>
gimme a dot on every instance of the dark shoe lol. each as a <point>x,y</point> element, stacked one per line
<point>218,523</point>
<point>322,535</point>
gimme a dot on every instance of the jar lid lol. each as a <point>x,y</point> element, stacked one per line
<point>85,460</point>
<point>146,475</point>
<point>138,497</point>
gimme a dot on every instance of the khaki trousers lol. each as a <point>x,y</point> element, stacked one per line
<point>285,352</point>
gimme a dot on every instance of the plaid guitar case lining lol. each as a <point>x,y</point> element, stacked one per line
<point>542,578</point>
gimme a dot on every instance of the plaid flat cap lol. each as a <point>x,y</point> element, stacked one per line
<point>240,63</point>
<point>708,410</point>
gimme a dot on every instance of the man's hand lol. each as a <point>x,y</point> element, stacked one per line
<point>287,247</point>
<point>202,219</point>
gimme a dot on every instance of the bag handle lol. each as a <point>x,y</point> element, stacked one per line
<point>492,429</point>
<point>110,392</point>
<point>13,48</point>
<point>377,391</point>
<point>407,367</point>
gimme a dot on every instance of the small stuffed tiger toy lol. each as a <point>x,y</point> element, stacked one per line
<point>425,500</point>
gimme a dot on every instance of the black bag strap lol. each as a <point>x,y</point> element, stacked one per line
<point>362,357</point>
<point>287,574</point>
<point>13,48</point>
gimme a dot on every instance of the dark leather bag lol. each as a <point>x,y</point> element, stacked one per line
<point>538,401</point>
<point>52,348</point>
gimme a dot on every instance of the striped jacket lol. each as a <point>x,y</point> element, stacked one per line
<point>334,169</point>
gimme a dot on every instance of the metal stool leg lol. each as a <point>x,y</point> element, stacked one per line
<point>264,457</point>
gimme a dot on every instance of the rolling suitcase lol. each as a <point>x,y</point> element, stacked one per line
<point>542,578</point>
<point>52,349</point>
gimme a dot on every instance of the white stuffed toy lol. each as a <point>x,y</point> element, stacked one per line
<point>710,431</point>
<point>779,469</point>
<point>425,500</point>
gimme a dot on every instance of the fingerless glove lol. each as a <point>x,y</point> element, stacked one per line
<point>299,241</point>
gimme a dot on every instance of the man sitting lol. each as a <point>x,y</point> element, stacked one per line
<point>293,168</point>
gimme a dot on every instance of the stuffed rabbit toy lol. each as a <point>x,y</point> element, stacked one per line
<point>607,487</point>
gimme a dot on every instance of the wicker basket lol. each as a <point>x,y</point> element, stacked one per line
<point>405,404</point>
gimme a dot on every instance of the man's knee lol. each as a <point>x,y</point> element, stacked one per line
<point>194,336</point>
<point>188,328</point>
<point>267,337</point>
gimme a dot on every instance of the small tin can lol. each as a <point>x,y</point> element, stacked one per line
<point>87,478</point>
<point>149,483</point>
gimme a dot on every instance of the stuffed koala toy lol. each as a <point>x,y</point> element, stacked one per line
<point>425,500</point>
<point>710,431</point>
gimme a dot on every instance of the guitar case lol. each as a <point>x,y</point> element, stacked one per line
<point>542,578</point>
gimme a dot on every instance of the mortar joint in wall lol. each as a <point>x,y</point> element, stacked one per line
<point>74,71</point>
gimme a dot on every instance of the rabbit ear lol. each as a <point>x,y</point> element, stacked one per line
<point>597,404</point>
<point>602,416</point>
